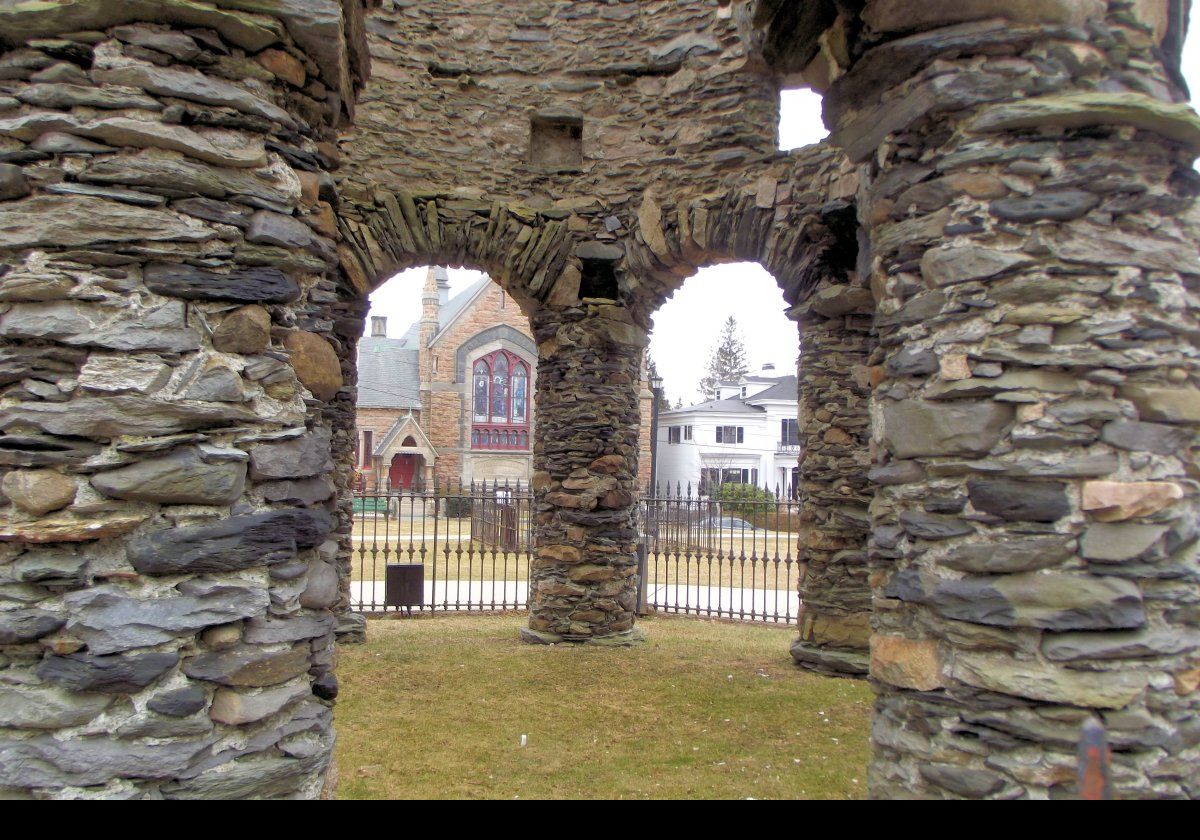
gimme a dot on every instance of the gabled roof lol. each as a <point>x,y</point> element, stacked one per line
<point>389,374</point>
<point>783,389</point>
<point>450,310</point>
<point>718,407</point>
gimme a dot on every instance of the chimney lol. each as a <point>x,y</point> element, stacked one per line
<point>769,367</point>
<point>378,327</point>
<point>430,306</point>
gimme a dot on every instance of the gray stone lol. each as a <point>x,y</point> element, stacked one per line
<point>67,96</point>
<point>238,708</point>
<point>963,263</point>
<point>237,542</point>
<point>267,228</point>
<point>1025,380</point>
<point>62,221</point>
<point>48,762</point>
<point>61,143</point>
<point>182,177</point>
<point>110,621</point>
<point>963,781</point>
<point>51,566</point>
<point>141,199</point>
<point>897,472</point>
<point>13,183</point>
<point>1164,404</point>
<point>1146,437</point>
<point>1134,644</point>
<point>1011,555</point>
<point>123,674</point>
<point>1057,601</point>
<point>304,491</point>
<point>178,702</point>
<point>17,627</point>
<point>181,478</point>
<point>192,86</point>
<point>43,450</point>
<point>912,362</point>
<point>913,429</point>
<point>44,707</point>
<point>322,588</point>
<point>836,301</point>
<point>1019,501</point>
<point>1057,205</point>
<point>124,414</point>
<point>162,328</point>
<point>272,630</point>
<point>175,44</point>
<point>252,777</point>
<point>122,374</point>
<point>299,458</point>
<point>1084,410</point>
<point>928,527</point>
<point>351,628</point>
<point>217,383</point>
<point>246,665</point>
<point>1047,682</point>
<point>245,285</point>
<point>1105,542</point>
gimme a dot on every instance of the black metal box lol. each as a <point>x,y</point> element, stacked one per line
<point>404,585</point>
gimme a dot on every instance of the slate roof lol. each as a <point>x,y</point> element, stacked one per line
<point>722,406</point>
<point>389,374</point>
<point>783,389</point>
<point>449,311</point>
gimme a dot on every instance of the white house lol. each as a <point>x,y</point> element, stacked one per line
<point>747,435</point>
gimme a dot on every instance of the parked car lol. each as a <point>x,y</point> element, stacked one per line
<point>727,523</point>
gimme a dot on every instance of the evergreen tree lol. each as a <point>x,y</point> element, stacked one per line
<point>728,360</point>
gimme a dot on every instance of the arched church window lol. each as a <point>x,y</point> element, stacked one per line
<point>482,377</point>
<point>500,402</point>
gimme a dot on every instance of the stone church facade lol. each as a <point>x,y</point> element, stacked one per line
<point>450,403</point>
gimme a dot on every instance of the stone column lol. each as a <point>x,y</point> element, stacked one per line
<point>171,398</point>
<point>835,598</point>
<point>585,460</point>
<point>1033,555</point>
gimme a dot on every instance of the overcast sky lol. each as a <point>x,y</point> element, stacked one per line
<point>687,326</point>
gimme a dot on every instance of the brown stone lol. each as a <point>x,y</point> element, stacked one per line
<point>38,491</point>
<point>954,366</point>
<point>560,553</point>
<point>284,66</point>
<point>310,187</point>
<point>837,436</point>
<point>608,464</point>
<point>245,330</point>
<point>316,363</point>
<point>62,529</point>
<point>591,573</point>
<point>1113,501</point>
<point>907,663</point>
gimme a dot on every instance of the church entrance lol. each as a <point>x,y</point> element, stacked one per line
<point>403,469</point>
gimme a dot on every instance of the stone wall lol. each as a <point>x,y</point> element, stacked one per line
<point>173,413</point>
<point>1029,204</point>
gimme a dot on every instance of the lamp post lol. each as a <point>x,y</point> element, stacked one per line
<point>656,389</point>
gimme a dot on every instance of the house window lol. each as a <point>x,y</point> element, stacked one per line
<point>687,432</point>
<point>789,432</point>
<point>713,477</point>
<point>500,402</point>
<point>674,434</point>
<point>366,448</point>
<point>730,434</point>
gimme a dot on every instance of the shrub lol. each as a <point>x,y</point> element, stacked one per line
<point>745,500</point>
<point>455,507</point>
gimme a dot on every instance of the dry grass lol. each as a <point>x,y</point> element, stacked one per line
<point>435,708</point>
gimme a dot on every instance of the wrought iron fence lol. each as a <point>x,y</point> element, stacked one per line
<point>733,553</point>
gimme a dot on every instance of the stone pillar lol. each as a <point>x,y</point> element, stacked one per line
<point>1035,525</point>
<point>585,460</point>
<point>835,598</point>
<point>171,398</point>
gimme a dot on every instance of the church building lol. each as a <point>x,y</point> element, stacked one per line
<point>451,400</point>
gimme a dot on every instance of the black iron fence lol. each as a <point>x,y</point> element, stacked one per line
<point>731,554</point>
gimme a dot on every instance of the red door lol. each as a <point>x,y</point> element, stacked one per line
<point>400,476</point>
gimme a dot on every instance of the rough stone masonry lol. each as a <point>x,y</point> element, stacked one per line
<point>993,263</point>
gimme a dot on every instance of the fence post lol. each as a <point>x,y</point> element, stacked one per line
<point>642,607</point>
<point>1094,757</point>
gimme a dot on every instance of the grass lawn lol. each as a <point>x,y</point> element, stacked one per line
<point>435,708</point>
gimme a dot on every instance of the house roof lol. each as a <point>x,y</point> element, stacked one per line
<point>783,389</point>
<point>389,374</point>
<point>717,406</point>
<point>450,310</point>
